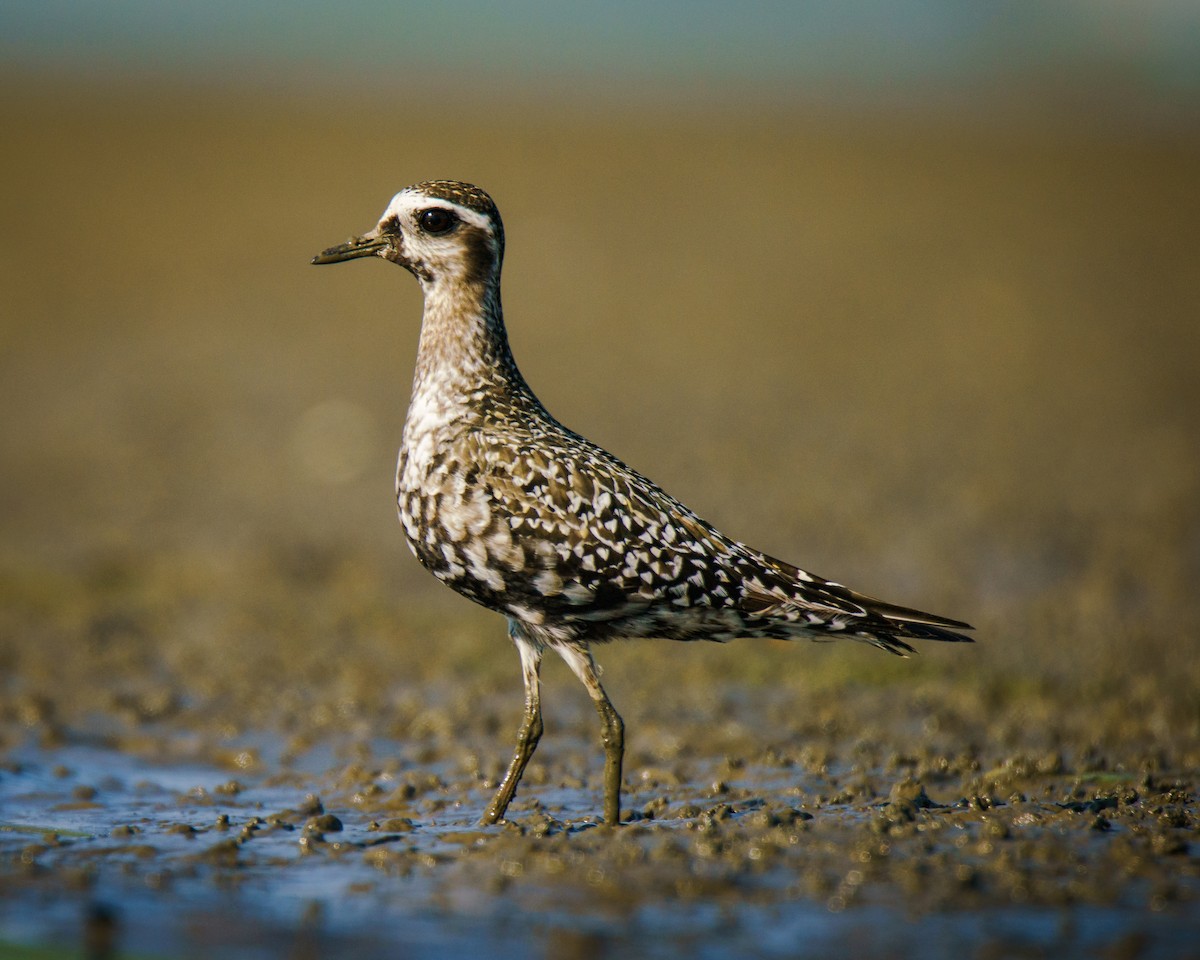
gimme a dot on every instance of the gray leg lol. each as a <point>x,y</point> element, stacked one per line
<point>531,726</point>
<point>612,728</point>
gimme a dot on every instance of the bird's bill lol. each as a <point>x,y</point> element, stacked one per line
<point>368,246</point>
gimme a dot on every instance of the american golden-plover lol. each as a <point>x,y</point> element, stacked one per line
<point>507,506</point>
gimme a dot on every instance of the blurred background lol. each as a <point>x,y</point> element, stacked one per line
<point>906,293</point>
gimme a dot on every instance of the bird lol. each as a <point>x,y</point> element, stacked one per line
<point>513,510</point>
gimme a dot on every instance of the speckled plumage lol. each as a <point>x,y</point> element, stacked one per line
<point>507,506</point>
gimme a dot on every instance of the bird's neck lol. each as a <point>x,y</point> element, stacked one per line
<point>463,354</point>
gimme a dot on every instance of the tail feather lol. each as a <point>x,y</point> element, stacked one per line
<point>834,609</point>
<point>889,625</point>
<point>916,623</point>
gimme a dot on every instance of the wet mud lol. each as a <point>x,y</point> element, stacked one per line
<point>911,838</point>
<point>951,364</point>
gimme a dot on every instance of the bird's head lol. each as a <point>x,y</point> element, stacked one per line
<point>440,230</point>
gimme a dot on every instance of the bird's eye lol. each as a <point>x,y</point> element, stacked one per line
<point>437,221</point>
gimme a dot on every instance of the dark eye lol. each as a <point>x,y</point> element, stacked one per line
<point>437,220</point>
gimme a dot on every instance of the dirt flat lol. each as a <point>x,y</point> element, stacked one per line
<point>950,361</point>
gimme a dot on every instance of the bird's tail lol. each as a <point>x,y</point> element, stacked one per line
<point>824,609</point>
<point>913,624</point>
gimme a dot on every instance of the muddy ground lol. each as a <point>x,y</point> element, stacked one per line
<point>952,361</point>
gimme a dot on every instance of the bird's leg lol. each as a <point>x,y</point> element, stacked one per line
<point>613,735</point>
<point>531,726</point>
<point>612,731</point>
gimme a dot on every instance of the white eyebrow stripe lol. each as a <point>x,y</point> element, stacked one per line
<point>406,204</point>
